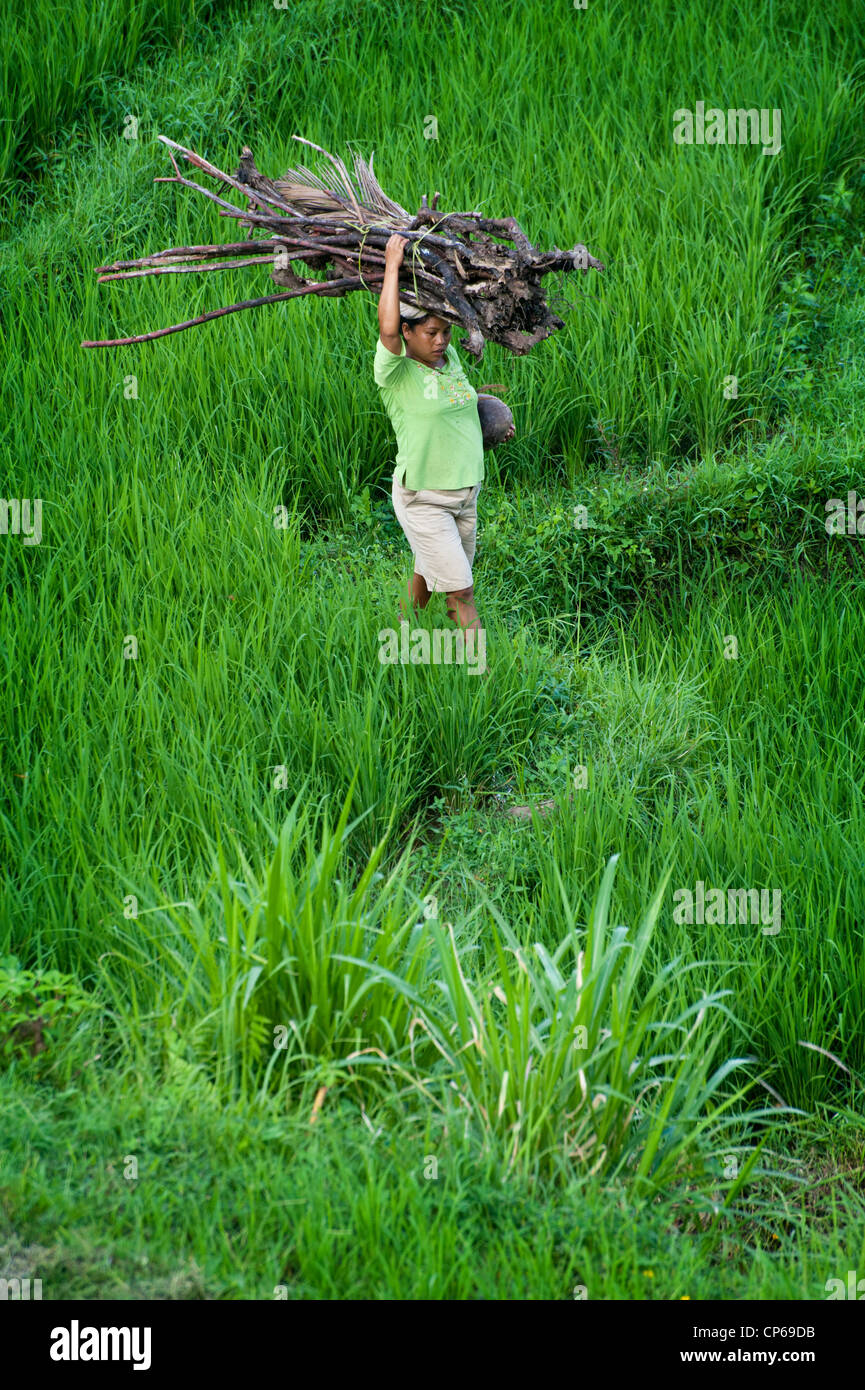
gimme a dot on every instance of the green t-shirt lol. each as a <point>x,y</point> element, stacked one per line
<point>435,418</point>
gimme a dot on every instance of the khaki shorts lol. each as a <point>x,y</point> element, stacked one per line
<point>441,528</point>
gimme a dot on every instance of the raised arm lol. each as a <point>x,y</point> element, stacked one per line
<point>388,300</point>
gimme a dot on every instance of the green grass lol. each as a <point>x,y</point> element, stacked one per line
<point>343,1211</point>
<point>317,961</point>
<point>697,239</point>
<point>62,61</point>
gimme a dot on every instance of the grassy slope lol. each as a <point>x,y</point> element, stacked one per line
<point>723,764</point>
<point>61,65</point>
<point>157,507</point>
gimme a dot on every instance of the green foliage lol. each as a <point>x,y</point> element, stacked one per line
<point>560,1058</point>
<point>606,648</point>
<point>58,57</point>
<point>650,536</point>
<point>38,1014</point>
<point>270,980</point>
<point>308,983</point>
<point>234,1202</point>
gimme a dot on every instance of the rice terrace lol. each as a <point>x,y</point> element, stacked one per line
<point>431,538</point>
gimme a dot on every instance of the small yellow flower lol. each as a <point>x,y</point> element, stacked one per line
<point>648,1273</point>
<point>686,1298</point>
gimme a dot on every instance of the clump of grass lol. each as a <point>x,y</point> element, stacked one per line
<point>59,60</point>
<point>571,1056</point>
<point>269,984</point>
<point>583,1064</point>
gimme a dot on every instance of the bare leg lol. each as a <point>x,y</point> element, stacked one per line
<point>418,594</point>
<point>461,607</point>
<point>462,611</point>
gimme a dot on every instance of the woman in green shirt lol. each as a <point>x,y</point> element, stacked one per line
<point>440,458</point>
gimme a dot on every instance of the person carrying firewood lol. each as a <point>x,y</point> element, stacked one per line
<point>440,459</point>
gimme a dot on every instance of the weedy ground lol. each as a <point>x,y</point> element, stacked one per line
<point>290,1002</point>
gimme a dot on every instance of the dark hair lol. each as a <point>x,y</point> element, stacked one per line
<point>414,323</point>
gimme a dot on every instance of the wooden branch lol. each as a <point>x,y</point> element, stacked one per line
<point>217,249</point>
<point>208,168</point>
<point>185,269</point>
<point>320,287</point>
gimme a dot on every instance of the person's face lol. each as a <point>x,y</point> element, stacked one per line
<point>429,341</point>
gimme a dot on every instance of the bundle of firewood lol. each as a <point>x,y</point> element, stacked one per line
<point>457,266</point>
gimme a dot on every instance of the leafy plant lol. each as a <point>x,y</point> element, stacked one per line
<point>587,1065</point>
<point>37,1012</point>
<point>277,974</point>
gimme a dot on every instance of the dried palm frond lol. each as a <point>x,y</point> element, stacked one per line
<point>334,195</point>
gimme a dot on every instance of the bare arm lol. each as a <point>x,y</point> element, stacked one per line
<point>388,300</point>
